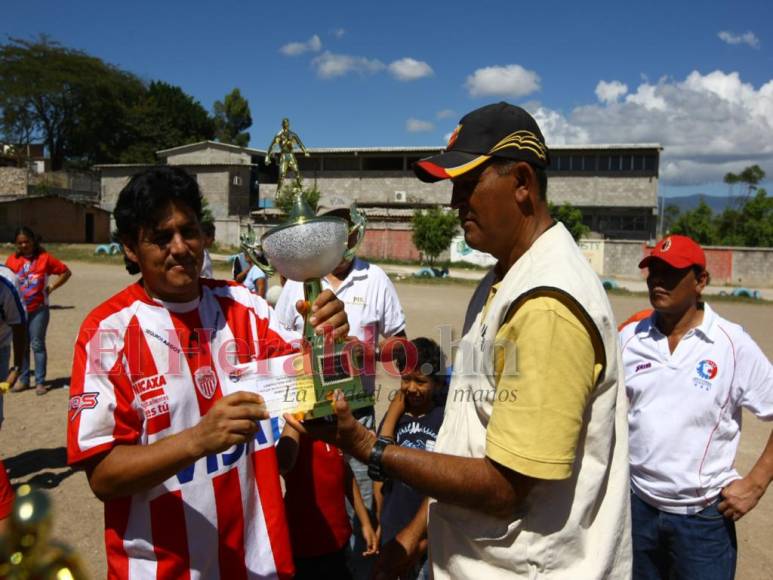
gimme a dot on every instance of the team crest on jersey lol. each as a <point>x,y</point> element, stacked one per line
<point>707,369</point>
<point>206,381</point>
<point>80,402</point>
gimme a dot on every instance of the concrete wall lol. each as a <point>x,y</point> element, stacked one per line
<point>727,265</point>
<point>227,231</point>
<point>372,187</point>
<point>379,187</point>
<point>57,220</point>
<point>384,242</point>
<point>226,196</point>
<point>13,181</point>
<point>604,191</point>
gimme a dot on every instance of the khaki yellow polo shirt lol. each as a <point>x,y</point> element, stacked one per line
<point>541,398</point>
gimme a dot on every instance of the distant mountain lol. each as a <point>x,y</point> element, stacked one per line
<point>718,203</point>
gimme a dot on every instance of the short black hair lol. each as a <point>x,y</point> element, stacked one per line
<point>147,194</point>
<point>430,359</point>
<point>208,228</point>
<point>503,166</point>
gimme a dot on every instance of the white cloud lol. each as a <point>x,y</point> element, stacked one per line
<point>746,38</point>
<point>338,33</point>
<point>708,124</point>
<point>409,69</point>
<point>610,92</point>
<point>445,114</point>
<point>418,126</point>
<point>313,44</point>
<point>330,65</point>
<point>511,80</point>
<point>647,96</point>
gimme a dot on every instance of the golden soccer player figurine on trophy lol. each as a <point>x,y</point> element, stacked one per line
<point>306,248</point>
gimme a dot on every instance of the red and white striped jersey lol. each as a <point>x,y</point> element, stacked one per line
<point>144,370</point>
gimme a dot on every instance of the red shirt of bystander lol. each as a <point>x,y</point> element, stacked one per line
<point>33,276</point>
<point>315,500</point>
<point>6,493</point>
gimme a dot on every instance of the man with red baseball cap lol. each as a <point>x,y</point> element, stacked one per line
<point>688,374</point>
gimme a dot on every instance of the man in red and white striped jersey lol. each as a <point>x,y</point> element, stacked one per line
<point>188,473</point>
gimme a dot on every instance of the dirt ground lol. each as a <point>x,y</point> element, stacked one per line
<point>32,441</point>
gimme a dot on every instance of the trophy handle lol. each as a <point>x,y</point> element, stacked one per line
<point>250,245</point>
<point>359,221</point>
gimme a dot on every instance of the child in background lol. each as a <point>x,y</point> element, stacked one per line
<point>412,420</point>
<point>318,480</point>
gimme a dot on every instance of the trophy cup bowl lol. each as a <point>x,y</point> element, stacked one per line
<point>308,248</point>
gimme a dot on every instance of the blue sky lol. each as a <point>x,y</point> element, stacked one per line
<point>695,77</point>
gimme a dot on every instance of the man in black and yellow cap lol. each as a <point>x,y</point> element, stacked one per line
<point>529,473</point>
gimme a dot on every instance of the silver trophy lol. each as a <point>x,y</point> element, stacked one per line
<point>305,248</point>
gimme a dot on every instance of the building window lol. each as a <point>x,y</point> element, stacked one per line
<point>237,180</point>
<point>589,163</point>
<point>638,162</point>
<point>341,164</point>
<point>625,163</point>
<point>308,163</point>
<point>382,163</point>
<point>649,162</point>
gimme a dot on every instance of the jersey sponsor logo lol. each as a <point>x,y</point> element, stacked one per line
<point>83,401</point>
<point>144,385</point>
<point>643,366</point>
<point>156,406</point>
<point>225,460</point>
<point>206,381</point>
<point>707,369</point>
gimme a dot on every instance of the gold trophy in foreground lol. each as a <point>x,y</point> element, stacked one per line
<point>305,248</point>
<point>25,549</point>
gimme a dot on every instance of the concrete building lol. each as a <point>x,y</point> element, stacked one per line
<point>57,219</point>
<point>615,186</point>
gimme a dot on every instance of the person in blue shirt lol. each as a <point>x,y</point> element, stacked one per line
<point>413,419</point>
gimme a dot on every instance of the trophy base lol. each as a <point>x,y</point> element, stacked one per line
<point>325,408</point>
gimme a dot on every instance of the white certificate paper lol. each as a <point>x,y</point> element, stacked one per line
<point>284,383</point>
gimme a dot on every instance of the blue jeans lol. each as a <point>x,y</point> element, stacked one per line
<point>701,546</point>
<point>359,565</point>
<point>37,325</point>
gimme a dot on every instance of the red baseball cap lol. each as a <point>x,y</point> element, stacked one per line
<point>678,252</point>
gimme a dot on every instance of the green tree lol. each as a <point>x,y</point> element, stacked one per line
<point>756,221</point>
<point>433,231</point>
<point>571,217</point>
<point>232,118</point>
<point>74,103</point>
<point>165,117</point>
<point>285,198</point>
<point>670,215</point>
<point>699,224</point>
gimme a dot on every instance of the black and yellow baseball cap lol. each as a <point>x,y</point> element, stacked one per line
<point>497,130</point>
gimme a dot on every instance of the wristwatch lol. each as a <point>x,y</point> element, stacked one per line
<point>375,469</point>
